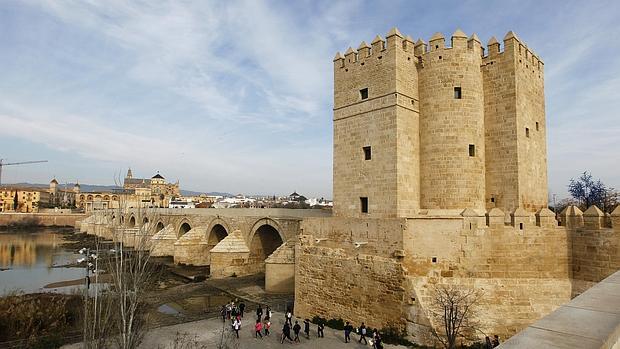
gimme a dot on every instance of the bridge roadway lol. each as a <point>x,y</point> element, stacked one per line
<point>231,241</point>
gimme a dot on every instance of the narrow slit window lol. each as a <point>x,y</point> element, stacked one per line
<point>537,126</point>
<point>472,150</point>
<point>457,93</point>
<point>520,226</point>
<point>364,93</point>
<point>527,132</point>
<point>492,199</point>
<point>367,153</point>
<point>364,205</point>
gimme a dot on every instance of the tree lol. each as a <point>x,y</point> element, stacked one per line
<point>588,191</point>
<point>453,310</point>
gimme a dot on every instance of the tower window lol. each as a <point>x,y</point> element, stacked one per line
<point>492,199</point>
<point>527,132</point>
<point>537,126</point>
<point>367,153</point>
<point>364,205</point>
<point>472,150</point>
<point>457,93</point>
<point>364,93</point>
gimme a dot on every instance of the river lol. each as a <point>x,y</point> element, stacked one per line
<point>31,260</point>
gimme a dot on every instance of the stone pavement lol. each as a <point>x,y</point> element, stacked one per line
<point>209,333</point>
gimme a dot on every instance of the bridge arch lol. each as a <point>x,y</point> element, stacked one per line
<point>184,227</point>
<point>145,220</point>
<point>159,226</point>
<point>265,237</point>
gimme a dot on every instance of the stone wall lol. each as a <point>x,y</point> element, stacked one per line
<point>350,269</point>
<point>43,219</point>
<point>525,269</point>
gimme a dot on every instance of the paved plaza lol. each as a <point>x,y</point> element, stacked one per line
<point>209,333</point>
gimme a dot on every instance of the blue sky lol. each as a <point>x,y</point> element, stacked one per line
<point>236,95</point>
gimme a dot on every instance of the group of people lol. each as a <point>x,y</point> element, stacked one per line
<point>292,329</point>
<point>365,334</point>
<point>490,344</point>
<point>234,313</point>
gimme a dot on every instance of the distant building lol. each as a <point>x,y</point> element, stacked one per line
<point>31,199</point>
<point>136,192</point>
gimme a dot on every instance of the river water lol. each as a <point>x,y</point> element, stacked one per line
<point>31,260</point>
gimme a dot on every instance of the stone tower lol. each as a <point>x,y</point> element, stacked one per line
<point>422,127</point>
<point>376,129</point>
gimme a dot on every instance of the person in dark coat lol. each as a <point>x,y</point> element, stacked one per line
<point>259,313</point>
<point>347,332</point>
<point>241,308</point>
<point>363,334</point>
<point>286,333</point>
<point>296,330</point>
<point>320,328</point>
<point>307,328</point>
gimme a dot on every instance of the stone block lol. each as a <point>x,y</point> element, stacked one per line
<point>593,218</point>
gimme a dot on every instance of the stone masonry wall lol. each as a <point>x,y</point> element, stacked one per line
<point>387,121</point>
<point>449,177</point>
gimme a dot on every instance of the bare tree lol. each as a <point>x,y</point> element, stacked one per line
<point>118,313</point>
<point>453,310</point>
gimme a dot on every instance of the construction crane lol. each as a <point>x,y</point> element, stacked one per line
<point>16,163</point>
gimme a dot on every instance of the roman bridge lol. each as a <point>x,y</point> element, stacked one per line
<point>230,241</point>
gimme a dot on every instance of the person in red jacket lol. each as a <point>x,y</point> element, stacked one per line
<point>258,327</point>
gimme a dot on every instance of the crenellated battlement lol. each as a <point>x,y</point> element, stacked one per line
<point>379,47</point>
<point>515,48</point>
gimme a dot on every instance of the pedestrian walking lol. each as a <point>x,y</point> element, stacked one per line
<point>363,334</point>
<point>374,338</point>
<point>267,326</point>
<point>223,313</point>
<point>289,317</point>
<point>378,342</point>
<point>228,309</point>
<point>307,328</point>
<point>296,330</point>
<point>259,312</point>
<point>347,332</point>
<point>320,328</point>
<point>258,328</point>
<point>241,308</point>
<point>268,312</point>
<point>236,326</point>
<point>286,333</point>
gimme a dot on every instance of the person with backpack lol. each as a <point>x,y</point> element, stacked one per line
<point>363,334</point>
<point>258,328</point>
<point>347,332</point>
<point>320,328</point>
<point>286,333</point>
<point>296,330</point>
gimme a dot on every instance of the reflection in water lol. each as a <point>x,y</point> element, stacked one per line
<point>27,249</point>
<point>29,258</point>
